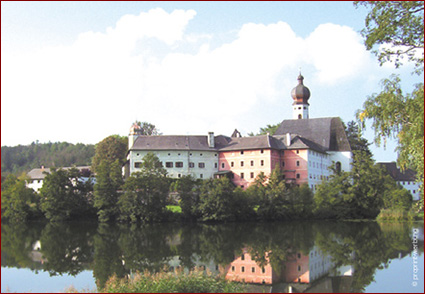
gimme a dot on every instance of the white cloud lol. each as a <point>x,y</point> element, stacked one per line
<point>149,68</point>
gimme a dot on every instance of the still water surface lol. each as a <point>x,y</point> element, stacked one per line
<point>271,257</point>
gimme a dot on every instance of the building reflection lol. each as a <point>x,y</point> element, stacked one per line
<point>312,272</point>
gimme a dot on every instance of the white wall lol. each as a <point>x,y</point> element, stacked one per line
<point>209,158</point>
<point>413,188</point>
<point>318,164</point>
<point>345,157</point>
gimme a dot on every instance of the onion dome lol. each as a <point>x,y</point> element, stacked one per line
<point>136,129</point>
<point>300,93</point>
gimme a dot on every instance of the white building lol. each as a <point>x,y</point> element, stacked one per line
<point>407,178</point>
<point>36,176</point>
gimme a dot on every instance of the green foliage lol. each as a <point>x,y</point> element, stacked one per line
<point>397,198</point>
<point>219,200</point>
<point>354,136</point>
<point>269,129</point>
<point>355,194</point>
<point>399,26</point>
<point>20,158</point>
<point>400,116</point>
<point>64,196</point>
<point>145,192</point>
<point>108,181</point>
<point>18,203</point>
<point>110,149</point>
<point>186,186</point>
<point>148,129</point>
<point>178,282</point>
<point>274,204</point>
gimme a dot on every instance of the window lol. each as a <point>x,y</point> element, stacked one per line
<point>298,151</point>
<point>243,257</point>
<point>414,191</point>
<point>261,151</point>
<point>299,268</point>
<point>242,175</point>
<point>252,175</point>
<point>233,268</point>
<point>190,154</point>
<point>216,154</point>
<point>179,175</point>
<point>242,152</point>
<point>191,164</point>
<point>299,255</point>
<point>232,164</point>
<point>241,163</point>
<point>201,176</point>
<point>263,270</point>
<point>179,154</point>
<point>262,162</point>
<point>200,154</point>
<point>169,164</point>
<point>201,164</point>
<point>222,165</point>
<point>253,269</point>
<point>169,154</point>
<point>298,163</point>
<point>138,154</point>
<point>283,164</point>
<point>137,164</point>
<point>243,269</point>
<point>298,176</point>
<point>179,164</point>
<point>215,165</point>
<point>252,162</point>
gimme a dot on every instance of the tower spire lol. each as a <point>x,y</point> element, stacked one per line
<point>300,94</point>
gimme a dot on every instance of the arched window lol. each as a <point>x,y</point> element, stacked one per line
<point>300,116</point>
<point>338,166</point>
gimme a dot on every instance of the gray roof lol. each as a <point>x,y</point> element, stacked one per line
<point>171,143</point>
<point>40,173</point>
<point>407,175</point>
<point>326,133</point>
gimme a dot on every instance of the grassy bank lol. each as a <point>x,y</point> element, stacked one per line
<point>177,282</point>
<point>399,215</point>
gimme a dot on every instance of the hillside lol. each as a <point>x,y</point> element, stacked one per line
<point>21,158</point>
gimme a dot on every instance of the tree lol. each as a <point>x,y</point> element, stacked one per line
<point>189,198</point>
<point>18,203</point>
<point>217,200</point>
<point>269,129</point>
<point>399,27</point>
<point>274,205</point>
<point>148,129</point>
<point>400,116</point>
<point>354,136</point>
<point>108,182</point>
<point>110,149</point>
<point>358,193</point>
<point>145,192</point>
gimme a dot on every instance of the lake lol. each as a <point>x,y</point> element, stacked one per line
<point>285,257</point>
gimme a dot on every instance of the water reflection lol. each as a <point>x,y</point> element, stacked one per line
<point>278,257</point>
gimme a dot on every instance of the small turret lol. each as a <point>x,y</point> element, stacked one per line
<point>135,131</point>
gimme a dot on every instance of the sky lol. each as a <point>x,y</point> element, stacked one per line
<point>81,71</point>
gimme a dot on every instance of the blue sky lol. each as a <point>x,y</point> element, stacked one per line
<point>81,71</point>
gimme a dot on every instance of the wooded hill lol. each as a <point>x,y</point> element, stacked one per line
<point>21,158</point>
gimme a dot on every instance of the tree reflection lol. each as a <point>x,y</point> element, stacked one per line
<point>287,251</point>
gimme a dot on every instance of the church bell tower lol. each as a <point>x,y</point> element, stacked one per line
<point>300,94</point>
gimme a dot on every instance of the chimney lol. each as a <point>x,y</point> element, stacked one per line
<point>288,139</point>
<point>211,140</point>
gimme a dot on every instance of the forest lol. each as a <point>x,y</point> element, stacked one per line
<point>22,158</point>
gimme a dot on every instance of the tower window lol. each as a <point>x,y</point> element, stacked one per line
<point>300,116</point>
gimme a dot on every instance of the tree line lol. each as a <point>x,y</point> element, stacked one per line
<point>19,159</point>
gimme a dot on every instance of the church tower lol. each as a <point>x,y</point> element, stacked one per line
<point>135,131</point>
<point>300,94</point>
